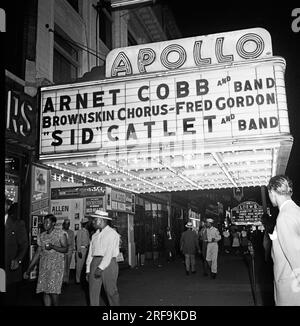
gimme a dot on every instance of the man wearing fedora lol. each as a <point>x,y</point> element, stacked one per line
<point>189,246</point>
<point>101,264</point>
<point>213,236</point>
<point>71,244</point>
<point>82,245</point>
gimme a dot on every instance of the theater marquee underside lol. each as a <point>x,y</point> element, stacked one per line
<point>242,163</point>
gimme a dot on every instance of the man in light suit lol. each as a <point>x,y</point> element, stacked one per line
<point>101,264</point>
<point>285,243</point>
<point>213,236</point>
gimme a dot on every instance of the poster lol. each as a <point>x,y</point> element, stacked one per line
<point>71,209</point>
<point>40,189</point>
<point>67,208</point>
<point>41,181</point>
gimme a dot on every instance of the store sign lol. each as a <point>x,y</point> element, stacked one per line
<point>77,192</point>
<point>20,117</point>
<point>199,51</point>
<point>93,203</point>
<point>110,116</point>
<point>246,213</point>
<point>120,201</point>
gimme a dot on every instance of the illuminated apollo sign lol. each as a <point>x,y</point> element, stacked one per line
<point>241,101</point>
<point>200,51</point>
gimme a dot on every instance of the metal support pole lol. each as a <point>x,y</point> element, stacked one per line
<point>263,198</point>
<point>169,209</point>
<point>251,251</point>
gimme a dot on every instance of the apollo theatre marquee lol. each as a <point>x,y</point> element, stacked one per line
<point>196,113</point>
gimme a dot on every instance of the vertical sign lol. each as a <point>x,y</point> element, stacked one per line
<point>40,205</point>
<point>2,20</point>
<point>108,198</point>
<point>40,189</point>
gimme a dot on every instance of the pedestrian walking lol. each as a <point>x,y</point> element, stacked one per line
<point>69,253</point>
<point>101,266</point>
<point>82,246</point>
<point>213,236</point>
<point>285,242</point>
<point>203,247</point>
<point>52,244</point>
<point>235,241</point>
<point>189,246</point>
<point>16,246</point>
<point>244,241</point>
<point>169,244</point>
<point>226,241</point>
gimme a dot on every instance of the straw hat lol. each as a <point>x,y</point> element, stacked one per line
<point>189,225</point>
<point>100,214</point>
<point>84,220</point>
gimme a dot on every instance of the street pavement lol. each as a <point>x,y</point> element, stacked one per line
<point>166,284</point>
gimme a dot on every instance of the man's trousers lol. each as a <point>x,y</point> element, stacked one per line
<point>108,278</point>
<point>190,262</point>
<point>68,258</point>
<point>212,255</point>
<point>80,262</point>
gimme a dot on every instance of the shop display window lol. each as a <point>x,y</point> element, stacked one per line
<point>12,179</point>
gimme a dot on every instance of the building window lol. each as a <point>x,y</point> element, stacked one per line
<point>131,39</point>
<point>15,48</point>
<point>105,25</point>
<point>65,59</point>
<point>74,4</point>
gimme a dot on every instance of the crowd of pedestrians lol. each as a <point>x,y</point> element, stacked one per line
<point>97,251</point>
<point>207,241</point>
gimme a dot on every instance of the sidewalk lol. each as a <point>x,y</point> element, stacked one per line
<point>168,285</point>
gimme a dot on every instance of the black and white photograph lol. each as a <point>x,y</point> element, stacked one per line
<point>40,180</point>
<point>185,116</point>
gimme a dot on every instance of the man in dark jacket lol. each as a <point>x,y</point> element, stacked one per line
<point>16,245</point>
<point>189,246</point>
